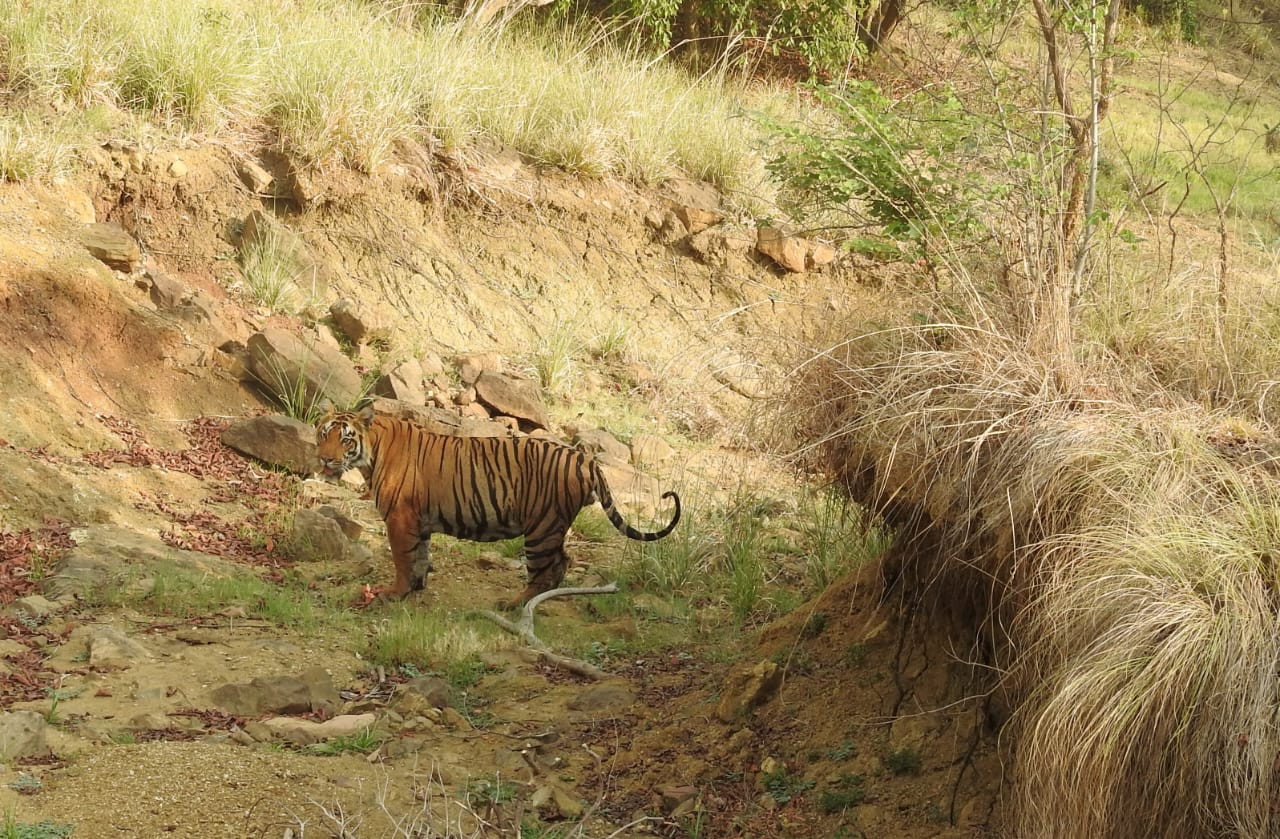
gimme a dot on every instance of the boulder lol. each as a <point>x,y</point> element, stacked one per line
<point>275,439</point>
<point>112,244</point>
<point>513,396</point>
<point>313,690</point>
<point>404,383</point>
<point>601,442</point>
<point>290,369</point>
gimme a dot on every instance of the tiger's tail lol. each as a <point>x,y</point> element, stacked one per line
<point>615,518</point>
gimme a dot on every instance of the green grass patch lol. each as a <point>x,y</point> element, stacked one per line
<point>182,591</point>
<point>432,640</point>
<point>362,742</point>
<point>47,829</point>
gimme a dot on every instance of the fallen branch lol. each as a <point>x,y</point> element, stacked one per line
<point>524,628</point>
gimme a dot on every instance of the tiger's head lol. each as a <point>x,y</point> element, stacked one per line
<point>342,441</point>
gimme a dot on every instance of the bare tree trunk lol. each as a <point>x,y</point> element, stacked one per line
<point>878,24</point>
<point>1052,332</point>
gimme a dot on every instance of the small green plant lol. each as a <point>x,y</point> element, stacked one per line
<point>594,526</point>
<point>844,751</point>
<point>464,673</point>
<point>856,655</point>
<point>743,560</point>
<point>47,829</point>
<point>782,786</point>
<point>846,792</point>
<point>53,716</point>
<point>531,828</point>
<point>554,359</point>
<point>904,761</point>
<point>362,742</point>
<point>614,343</point>
<point>838,538</point>
<point>814,626</point>
<point>485,791</point>
<point>26,784</point>
<point>273,273</point>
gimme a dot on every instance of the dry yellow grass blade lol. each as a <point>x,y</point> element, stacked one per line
<point>1119,560</point>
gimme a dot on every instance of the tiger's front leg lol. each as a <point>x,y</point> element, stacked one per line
<point>402,534</point>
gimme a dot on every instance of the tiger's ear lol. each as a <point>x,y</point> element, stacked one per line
<point>366,414</point>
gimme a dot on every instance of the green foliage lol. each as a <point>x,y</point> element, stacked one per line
<point>822,33</point>
<point>464,673</point>
<point>904,761</point>
<point>814,626</point>
<point>484,791</point>
<point>782,786</point>
<point>839,537</point>
<point>47,829</point>
<point>362,742</point>
<point>26,784</point>
<point>430,640</point>
<point>1178,15</point>
<point>846,792</point>
<point>877,164</point>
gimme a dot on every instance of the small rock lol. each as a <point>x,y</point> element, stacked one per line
<point>404,384</point>
<point>109,648</point>
<point>178,169</point>
<point>316,537</point>
<point>22,734</point>
<point>786,250</point>
<point>747,687</point>
<point>110,243</point>
<point>313,690</point>
<point>305,732</point>
<point>433,689</point>
<point>165,292</point>
<point>471,365</point>
<point>351,320</point>
<point>604,698</point>
<point>255,177</point>
<point>36,606</point>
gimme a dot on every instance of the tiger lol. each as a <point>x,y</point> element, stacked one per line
<point>481,489</point>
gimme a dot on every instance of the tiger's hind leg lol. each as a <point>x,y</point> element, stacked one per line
<point>546,563</point>
<point>421,564</point>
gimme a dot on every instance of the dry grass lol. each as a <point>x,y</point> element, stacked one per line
<point>1118,560</point>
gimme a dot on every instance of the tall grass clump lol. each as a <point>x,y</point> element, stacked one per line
<point>197,66</point>
<point>1116,559</point>
<point>345,89</point>
<point>430,639</point>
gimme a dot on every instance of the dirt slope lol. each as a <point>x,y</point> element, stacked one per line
<point>853,744</point>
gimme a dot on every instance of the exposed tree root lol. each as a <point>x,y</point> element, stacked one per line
<point>524,628</point>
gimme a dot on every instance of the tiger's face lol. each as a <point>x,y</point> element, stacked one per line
<point>341,442</point>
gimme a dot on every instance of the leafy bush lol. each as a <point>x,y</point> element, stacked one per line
<point>879,165</point>
<point>822,33</point>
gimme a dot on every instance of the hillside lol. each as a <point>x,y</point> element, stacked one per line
<point>187,648</point>
<point>104,385</point>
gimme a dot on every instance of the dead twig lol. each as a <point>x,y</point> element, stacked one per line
<point>524,628</point>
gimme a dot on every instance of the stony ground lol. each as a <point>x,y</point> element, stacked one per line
<point>865,726</point>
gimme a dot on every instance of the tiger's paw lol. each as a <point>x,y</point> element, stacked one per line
<point>378,594</point>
